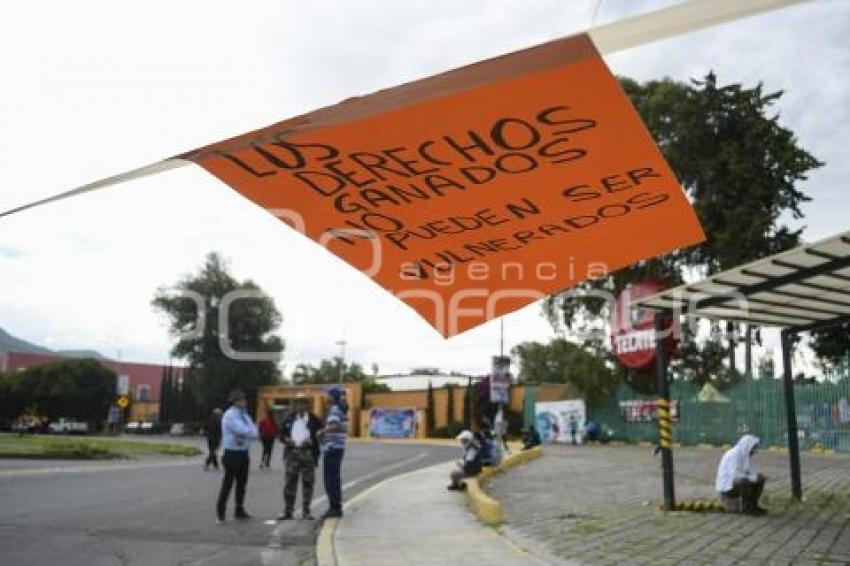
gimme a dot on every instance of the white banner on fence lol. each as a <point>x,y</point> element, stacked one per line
<point>561,421</point>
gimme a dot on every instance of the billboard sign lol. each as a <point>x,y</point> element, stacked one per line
<point>561,421</point>
<point>500,380</point>
<point>392,423</point>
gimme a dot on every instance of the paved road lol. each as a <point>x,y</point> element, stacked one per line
<point>160,511</point>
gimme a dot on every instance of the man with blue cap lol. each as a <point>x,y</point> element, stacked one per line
<point>333,448</point>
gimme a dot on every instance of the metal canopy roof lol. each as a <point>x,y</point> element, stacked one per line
<point>804,288</point>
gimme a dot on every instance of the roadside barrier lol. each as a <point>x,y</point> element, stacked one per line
<point>485,507</point>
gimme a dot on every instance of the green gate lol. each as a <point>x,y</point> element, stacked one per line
<point>754,406</point>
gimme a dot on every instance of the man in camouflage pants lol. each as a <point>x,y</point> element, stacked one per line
<point>301,456</point>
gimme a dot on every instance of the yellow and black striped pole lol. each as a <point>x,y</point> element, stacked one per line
<point>665,430</point>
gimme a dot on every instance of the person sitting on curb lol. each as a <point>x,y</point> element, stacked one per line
<point>491,454</point>
<point>531,439</point>
<point>591,431</point>
<point>736,477</point>
<point>469,464</point>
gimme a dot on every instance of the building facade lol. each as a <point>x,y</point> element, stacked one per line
<point>142,381</point>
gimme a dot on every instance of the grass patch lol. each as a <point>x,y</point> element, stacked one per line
<point>76,448</point>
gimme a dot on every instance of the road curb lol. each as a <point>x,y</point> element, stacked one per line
<point>325,555</point>
<point>412,441</point>
<point>486,508</point>
<point>325,552</point>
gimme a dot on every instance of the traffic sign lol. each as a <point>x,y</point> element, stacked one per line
<point>633,328</point>
<point>123,401</point>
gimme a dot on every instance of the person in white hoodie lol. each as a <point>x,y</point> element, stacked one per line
<point>737,478</point>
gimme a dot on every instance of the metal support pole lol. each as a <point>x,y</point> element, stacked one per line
<point>791,415</point>
<point>665,431</point>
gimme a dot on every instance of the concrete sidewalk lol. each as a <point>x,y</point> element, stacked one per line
<point>597,505</point>
<point>412,519</point>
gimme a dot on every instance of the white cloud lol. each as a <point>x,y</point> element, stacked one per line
<point>94,88</point>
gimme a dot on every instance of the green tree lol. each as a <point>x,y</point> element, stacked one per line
<point>12,400</point>
<point>741,170</point>
<point>303,373</point>
<point>81,389</point>
<point>328,371</point>
<point>372,386</point>
<point>430,416</point>
<point>561,361</point>
<point>164,396</point>
<point>251,327</point>
<point>767,366</point>
<point>450,406</point>
<point>468,401</point>
<point>832,346</point>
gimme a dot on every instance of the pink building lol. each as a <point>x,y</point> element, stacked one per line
<point>143,379</point>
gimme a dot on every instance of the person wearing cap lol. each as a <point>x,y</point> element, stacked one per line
<point>299,433</point>
<point>333,448</point>
<point>213,438</point>
<point>469,464</point>
<point>238,431</point>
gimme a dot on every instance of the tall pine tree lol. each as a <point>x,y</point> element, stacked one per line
<point>430,422</point>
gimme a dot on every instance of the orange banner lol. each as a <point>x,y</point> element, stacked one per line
<point>472,193</point>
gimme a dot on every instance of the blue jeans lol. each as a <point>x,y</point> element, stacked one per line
<point>332,470</point>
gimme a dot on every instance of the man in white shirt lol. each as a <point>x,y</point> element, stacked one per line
<point>737,478</point>
<point>299,434</point>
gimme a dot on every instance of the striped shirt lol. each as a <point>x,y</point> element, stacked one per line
<point>336,429</point>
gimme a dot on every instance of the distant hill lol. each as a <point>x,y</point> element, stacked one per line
<point>9,343</point>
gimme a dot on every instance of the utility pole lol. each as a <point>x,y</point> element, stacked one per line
<point>665,430</point>
<point>501,336</point>
<point>341,344</point>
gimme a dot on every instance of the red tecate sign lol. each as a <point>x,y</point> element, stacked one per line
<point>633,328</point>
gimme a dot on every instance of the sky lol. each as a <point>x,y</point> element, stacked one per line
<point>94,88</point>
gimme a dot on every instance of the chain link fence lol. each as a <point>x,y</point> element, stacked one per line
<point>754,406</point>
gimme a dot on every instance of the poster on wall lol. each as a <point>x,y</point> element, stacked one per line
<point>392,423</point>
<point>500,380</point>
<point>645,410</point>
<point>561,421</point>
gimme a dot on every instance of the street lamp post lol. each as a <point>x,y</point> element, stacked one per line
<point>341,344</point>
